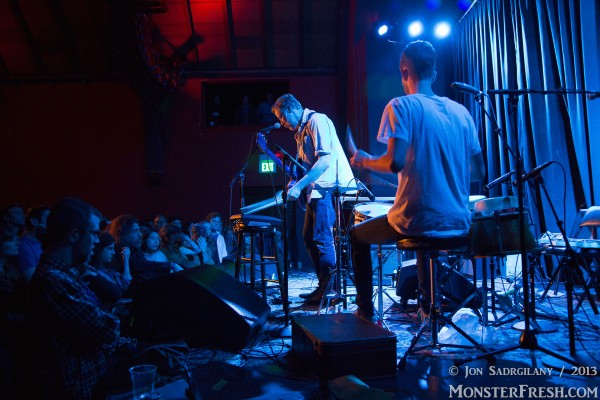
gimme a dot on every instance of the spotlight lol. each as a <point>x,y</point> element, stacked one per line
<point>415,28</point>
<point>441,30</point>
<point>383,29</point>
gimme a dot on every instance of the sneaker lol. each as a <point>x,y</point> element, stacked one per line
<point>371,317</point>
<point>315,300</point>
<point>309,295</point>
<point>364,314</point>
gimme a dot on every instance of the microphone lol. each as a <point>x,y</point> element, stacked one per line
<point>364,188</point>
<point>268,129</point>
<point>463,87</point>
<point>503,179</point>
<point>535,172</point>
<point>592,96</point>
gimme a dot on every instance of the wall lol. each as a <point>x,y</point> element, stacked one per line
<point>87,140</point>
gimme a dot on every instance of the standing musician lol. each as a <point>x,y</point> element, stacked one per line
<point>432,145</point>
<point>322,155</point>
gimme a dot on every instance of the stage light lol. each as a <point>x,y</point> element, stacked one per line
<point>441,30</point>
<point>415,28</point>
<point>383,29</point>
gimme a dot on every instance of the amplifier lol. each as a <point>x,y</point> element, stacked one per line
<point>334,345</point>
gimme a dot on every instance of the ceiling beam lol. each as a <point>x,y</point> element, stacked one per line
<point>67,33</point>
<point>31,42</point>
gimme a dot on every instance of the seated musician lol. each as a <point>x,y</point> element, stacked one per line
<point>432,145</point>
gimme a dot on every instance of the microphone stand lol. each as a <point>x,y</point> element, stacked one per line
<point>240,176</point>
<point>528,339</point>
<point>286,246</point>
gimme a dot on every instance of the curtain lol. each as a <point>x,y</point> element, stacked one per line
<point>545,49</point>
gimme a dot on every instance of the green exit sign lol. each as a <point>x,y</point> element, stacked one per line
<point>265,165</point>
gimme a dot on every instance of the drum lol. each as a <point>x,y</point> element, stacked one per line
<point>488,206</point>
<point>495,228</point>
<point>365,211</point>
<point>474,199</point>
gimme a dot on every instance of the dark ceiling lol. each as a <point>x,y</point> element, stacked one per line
<point>53,40</point>
<point>90,39</point>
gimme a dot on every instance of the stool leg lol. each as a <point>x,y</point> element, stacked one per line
<point>252,264</point>
<point>239,255</point>
<point>379,282</point>
<point>434,304</point>
<point>261,252</point>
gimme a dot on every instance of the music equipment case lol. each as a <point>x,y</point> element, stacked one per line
<point>335,345</point>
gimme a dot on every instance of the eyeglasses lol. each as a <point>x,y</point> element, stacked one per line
<point>91,232</point>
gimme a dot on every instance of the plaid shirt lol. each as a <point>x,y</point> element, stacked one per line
<point>69,330</point>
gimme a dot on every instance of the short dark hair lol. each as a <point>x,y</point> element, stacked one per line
<point>421,55</point>
<point>104,239</point>
<point>166,231</point>
<point>67,214</point>
<point>212,215</point>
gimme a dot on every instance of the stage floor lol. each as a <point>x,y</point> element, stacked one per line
<point>268,369</point>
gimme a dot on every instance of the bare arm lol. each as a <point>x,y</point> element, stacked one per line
<point>477,167</point>
<point>392,161</point>
<point>312,175</point>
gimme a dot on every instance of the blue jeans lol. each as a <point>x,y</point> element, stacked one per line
<point>318,236</point>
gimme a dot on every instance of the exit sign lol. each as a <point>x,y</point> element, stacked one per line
<point>265,164</point>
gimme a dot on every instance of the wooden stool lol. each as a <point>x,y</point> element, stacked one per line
<point>257,258</point>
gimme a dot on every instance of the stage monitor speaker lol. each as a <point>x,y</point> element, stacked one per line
<point>203,305</point>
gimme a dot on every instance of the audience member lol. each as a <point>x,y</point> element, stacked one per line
<point>159,222</point>
<point>108,284</point>
<point>69,329</point>
<point>151,247</point>
<point>126,231</point>
<point>12,310</point>
<point>197,244</point>
<point>14,216</point>
<point>30,249</point>
<point>170,242</point>
<point>216,241</point>
<point>178,222</point>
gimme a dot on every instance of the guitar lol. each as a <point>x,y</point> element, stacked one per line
<point>261,142</point>
<point>293,174</point>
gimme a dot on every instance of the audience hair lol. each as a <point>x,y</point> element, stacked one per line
<point>123,223</point>
<point>69,213</point>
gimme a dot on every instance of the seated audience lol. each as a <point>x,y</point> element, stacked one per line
<point>69,329</point>
<point>108,284</point>
<point>170,242</point>
<point>178,222</point>
<point>159,222</point>
<point>151,247</point>
<point>30,249</point>
<point>14,215</point>
<point>216,241</point>
<point>197,244</point>
<point>12,316</point>
<point>126,231</point>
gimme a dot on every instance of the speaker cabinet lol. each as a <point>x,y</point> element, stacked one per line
<point>202,305</point>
